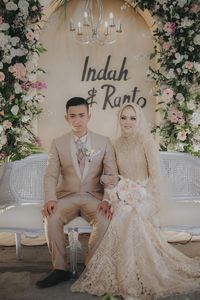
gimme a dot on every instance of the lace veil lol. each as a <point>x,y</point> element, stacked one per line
<point>142,136</point>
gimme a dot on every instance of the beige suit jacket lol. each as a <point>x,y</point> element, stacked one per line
<point>62,160</point>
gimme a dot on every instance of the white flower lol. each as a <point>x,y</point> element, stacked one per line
<point>23,4</point>
<point>3,39</point>
<point>197,39</point>
<point>7,59</point>
<point>25,119</point>
<point>190,48</point>
<point>4,26</point>
<point>180,97</point>
<point>18,88</point>
<point>195,119</point>
<point>3,139</point>
<point>196,146</point>
<point>11,6</point>
<point>180,147</point>
<point>15,40</point>
<point>181,3</point>
<point>178,57</point>
<point>186,22</point>
<point>14,110</point>
<point>170,74</point>
<point>191,104</point>
<point>197,66</point>
<point>1,129</point>
<point>1,65</point>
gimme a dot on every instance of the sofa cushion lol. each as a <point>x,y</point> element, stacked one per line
<point>25,216</point>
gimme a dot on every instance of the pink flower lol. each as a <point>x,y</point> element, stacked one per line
<point>166,45</point>
<point>179,113</point>
<point>181,121</point>
<point>2,76</point>
<point>11,69</point>
<point>194,8</point>
<point>181,135</point>
<point>167,27</point>
<point>2,113</point>
<point>2,155</point>
<point>7,124</point>
<point>30,35</point>
<point>1,19</point>
<point>167,93</point>
<point>172,118</point>
<point>19,71</point>
<point>39,98</point>
<point>188,64</point>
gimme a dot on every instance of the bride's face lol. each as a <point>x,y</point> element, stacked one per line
<point>128,120</point>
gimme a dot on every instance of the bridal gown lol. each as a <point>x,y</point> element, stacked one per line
<point>134,260</point>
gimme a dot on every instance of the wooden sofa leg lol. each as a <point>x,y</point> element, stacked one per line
<point>18,245</point>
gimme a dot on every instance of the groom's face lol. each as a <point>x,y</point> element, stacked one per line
<point>78,117</point>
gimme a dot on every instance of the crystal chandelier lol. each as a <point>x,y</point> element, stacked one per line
<point>93,29</point>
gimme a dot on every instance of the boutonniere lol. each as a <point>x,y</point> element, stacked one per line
<point>90,153</point>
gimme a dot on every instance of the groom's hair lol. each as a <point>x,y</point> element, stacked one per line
<point>77,101</point>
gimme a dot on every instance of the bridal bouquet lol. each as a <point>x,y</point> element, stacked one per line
<point>127,192</point>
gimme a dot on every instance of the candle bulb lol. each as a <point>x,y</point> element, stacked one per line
<point>71,25</point>
<point>119,27</point>
<point>106,28</point>
<point>112,24</point>
<point>86,23</point>
<point>79,28</point>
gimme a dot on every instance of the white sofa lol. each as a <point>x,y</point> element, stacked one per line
<point>21,198</point>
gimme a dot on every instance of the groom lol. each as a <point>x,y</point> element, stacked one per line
<point>81,156</point>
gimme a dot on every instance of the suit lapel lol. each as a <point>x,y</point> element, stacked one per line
<point>88,146</point>
<point>74,157</point>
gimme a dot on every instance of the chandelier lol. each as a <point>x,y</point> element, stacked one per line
<point>93,28</point>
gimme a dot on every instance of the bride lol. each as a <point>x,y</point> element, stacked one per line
<point>134,260</point>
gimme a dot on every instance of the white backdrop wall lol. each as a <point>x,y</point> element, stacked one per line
<point>65,63</point>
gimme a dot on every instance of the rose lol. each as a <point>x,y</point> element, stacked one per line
<point>181,135</point>
<point>2,76</point>
<point>7,124</point>
<point>14,110</point>
<point>167,93</point>
<point>30,35</point>
<point>188,65</point>
<point>11,6</point>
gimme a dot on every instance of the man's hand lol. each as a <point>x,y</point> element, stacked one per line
<point>49,208</point>
<point>104,209</point>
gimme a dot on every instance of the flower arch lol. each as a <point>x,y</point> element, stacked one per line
<point>175,27</point>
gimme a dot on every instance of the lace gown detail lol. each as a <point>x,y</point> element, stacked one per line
<point>133,259</point>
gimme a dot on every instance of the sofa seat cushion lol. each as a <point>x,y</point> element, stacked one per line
<point>25,216</point>
<point>29,217</point>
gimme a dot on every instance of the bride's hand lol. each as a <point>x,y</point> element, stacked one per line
<point>104,209</point>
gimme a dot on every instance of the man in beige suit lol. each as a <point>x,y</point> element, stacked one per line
<point>81,156</point>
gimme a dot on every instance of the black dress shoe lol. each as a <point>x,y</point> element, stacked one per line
<point>54,278</point>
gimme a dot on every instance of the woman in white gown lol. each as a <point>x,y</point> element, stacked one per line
<point>134,260</point>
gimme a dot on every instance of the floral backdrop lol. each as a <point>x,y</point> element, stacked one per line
<point>177,48</point>
<point>20,92</point>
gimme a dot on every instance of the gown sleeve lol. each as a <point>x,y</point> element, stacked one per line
<point>150,207</point>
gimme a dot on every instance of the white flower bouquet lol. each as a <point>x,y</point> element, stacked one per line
<point>127,192</point>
